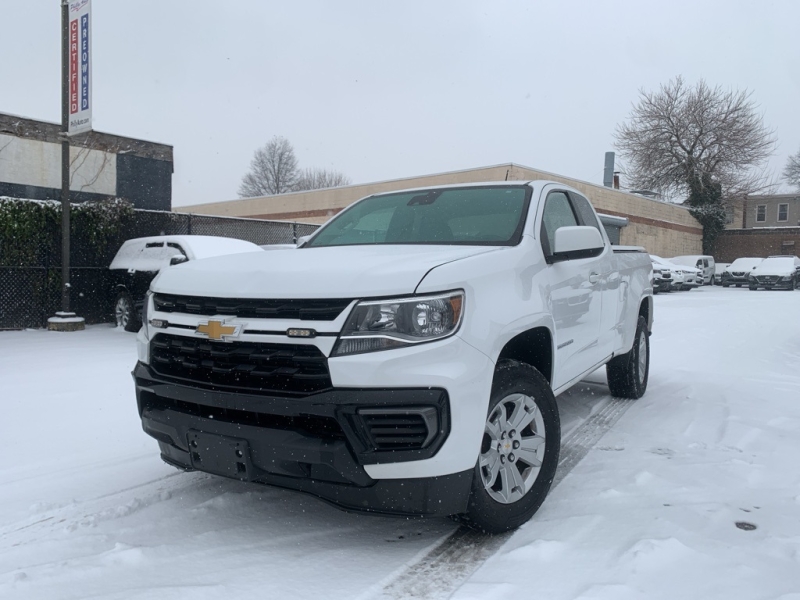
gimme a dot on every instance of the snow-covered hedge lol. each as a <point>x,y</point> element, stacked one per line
<point>30,230</point>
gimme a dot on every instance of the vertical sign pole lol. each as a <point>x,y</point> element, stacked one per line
<point>64,320</point>
<point>65,285</point>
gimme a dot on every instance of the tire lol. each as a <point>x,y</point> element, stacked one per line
<point>738,285</point>
<point>125,313</point>
<point>753,289</point>
<point>628,373</point>
<point>522,411</point>
<point>727,285</point>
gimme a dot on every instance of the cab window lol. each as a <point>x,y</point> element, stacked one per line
<point>557,213</point>
<point>586,214</point>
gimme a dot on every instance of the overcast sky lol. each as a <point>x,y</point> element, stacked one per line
<point>383,90</point>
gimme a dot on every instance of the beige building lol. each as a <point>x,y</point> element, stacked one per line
<point>662,228</point>
<point>776,210</point>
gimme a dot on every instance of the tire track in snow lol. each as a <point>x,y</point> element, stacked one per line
<point>448,565</point>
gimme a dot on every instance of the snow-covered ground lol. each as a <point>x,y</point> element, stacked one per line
<point>88,510</point>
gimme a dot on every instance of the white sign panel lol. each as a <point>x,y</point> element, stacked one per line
<point>80,66</point>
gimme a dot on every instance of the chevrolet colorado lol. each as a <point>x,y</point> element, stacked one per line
<point>403,360</point>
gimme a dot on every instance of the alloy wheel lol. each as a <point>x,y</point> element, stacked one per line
<point>513,448</point>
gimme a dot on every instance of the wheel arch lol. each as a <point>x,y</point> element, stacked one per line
<point>646,311</point>
<point>533,347</point>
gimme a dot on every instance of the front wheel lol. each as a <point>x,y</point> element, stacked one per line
<point>628,373</point>
<point>519,450</point>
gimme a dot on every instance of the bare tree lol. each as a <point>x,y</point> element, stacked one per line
<point>682,135</point>
<point>792,171</point>
<point>316,179</point>
<point>273,170</point>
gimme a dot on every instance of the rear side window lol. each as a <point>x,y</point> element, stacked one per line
<point>586,215</point>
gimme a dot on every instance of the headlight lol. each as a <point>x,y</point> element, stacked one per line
<point>385,324</point>
<point>146,308</point>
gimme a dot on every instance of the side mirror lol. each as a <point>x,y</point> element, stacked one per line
<point>301,241</point>
<point>177,259</point>
<point>576,242</point>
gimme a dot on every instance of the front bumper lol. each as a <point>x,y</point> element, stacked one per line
<point>662,285</point>
<point>314,444</point>
<point>772,284</point>
<point>735,280</point>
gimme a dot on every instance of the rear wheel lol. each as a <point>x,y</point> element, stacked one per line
<point>628,373</point>
<point>519,450</point>
<point>125,313</point>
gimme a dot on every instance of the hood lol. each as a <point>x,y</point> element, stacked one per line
<point>335,272</point>
<point>779,269</point>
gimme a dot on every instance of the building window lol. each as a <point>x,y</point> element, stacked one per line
<point>761,213</point>
<point>783,212</point>
<point>728,215</point>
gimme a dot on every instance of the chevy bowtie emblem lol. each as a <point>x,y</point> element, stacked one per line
<point>217,330</point>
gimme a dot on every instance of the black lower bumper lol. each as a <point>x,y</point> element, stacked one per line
<point>663,285</point>
<point>312,444</point>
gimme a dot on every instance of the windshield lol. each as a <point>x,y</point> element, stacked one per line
<point>485,216</point>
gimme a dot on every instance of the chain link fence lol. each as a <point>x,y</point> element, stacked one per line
<point>31,293</point>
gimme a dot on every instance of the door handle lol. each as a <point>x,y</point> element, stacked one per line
<point>594,278</point>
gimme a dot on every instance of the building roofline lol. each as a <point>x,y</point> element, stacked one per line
<point>794,196</point>
<point>49,131</point>
<point>510,166</point>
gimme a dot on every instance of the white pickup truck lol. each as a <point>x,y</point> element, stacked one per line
<point>406,358</point>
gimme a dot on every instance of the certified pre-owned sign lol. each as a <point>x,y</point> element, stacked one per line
<point>80,67</point>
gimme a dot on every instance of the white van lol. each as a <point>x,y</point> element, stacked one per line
<point>702,262</point>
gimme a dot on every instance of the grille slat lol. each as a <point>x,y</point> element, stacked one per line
<point>306,310</point>
<point>393,431</point>
<point>282,369</point>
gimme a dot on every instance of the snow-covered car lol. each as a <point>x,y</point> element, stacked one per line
<point>738,272</point>
<point>703,262</point>
<point>139,260</point>
<point>692,277</point>
<point>662,277</point>
<point>678,277</point>
<point>719,269</point>
<point>406,358</point>
<point>776,272</point>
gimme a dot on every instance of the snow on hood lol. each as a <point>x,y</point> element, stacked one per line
<point>333,272</point>
<point>779,265</point>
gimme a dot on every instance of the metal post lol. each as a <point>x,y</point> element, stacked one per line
<point>64,320</point>
<point>65,156</point>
